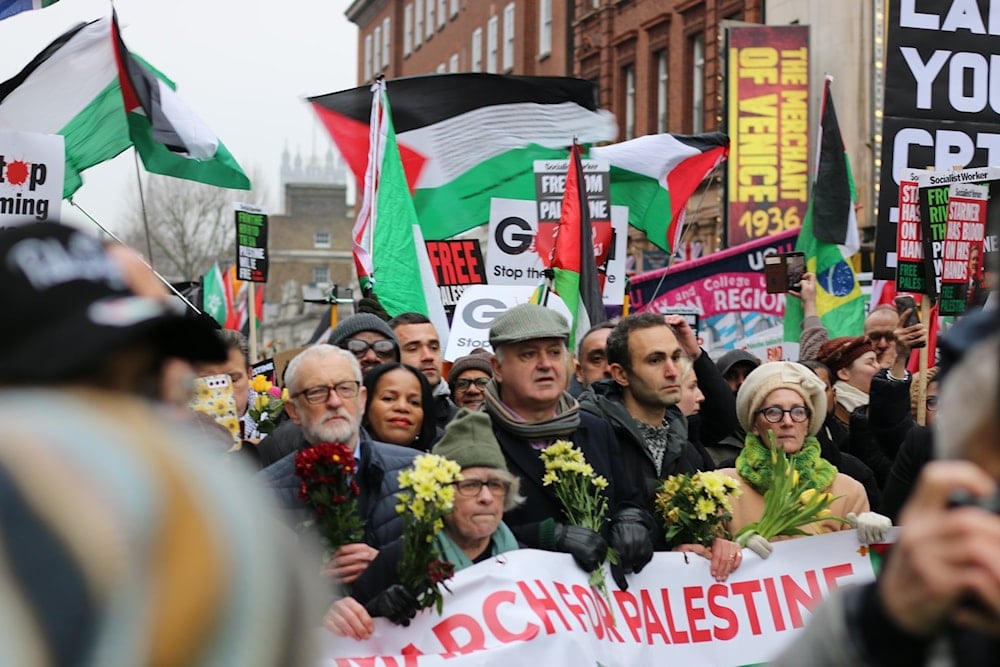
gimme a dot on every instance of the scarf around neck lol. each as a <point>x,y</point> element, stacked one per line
<point>754,465</point>
<point>502,541</point>
<point>565,421</point>
<point>850,396</point>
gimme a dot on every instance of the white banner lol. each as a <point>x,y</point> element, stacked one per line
<point>535,607</point>
<point>32,169</point>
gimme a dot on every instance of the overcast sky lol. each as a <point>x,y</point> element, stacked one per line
<point>244,66</point>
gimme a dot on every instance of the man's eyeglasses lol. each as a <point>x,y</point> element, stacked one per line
<point>774,414</point>
<point>347,389</point>
<point>383,348</point>
<point>470,488</point>
<point>887,336</point>
<point>465,383</point>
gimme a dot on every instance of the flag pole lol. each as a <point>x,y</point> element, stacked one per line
<point>252,310</point>
<point>138,255</point>
<point>142,206</point>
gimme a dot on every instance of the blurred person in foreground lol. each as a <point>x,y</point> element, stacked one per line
<point>140,547</point>
<point>473,532</point>
<point>937,599</point>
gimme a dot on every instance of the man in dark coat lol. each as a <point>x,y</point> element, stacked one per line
<point>530,409</point>
<point>326,401</point>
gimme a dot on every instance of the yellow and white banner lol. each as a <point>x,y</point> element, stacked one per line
<point>535,607</point>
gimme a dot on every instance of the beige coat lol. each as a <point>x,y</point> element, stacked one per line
<point>749,507</point>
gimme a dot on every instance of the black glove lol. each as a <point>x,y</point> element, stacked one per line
<point>631,538</point>
<point>395,603</point>
<point>588,548</point>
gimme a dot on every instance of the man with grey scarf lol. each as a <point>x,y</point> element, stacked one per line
<point>530,409</point>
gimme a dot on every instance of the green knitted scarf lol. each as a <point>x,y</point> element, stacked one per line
<point>754,465</point>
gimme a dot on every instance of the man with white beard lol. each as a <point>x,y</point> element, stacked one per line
<point>327,399</point>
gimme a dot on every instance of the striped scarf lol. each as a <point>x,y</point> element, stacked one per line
<point>565,421</point>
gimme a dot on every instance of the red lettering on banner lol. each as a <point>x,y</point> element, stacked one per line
<point>692,593</point>
<point>445,633</point>
<point>652,622</point>
<point>676,636</point>
<point>490,604</point>
<point>607,621</point>
<point>410,653</point>
<point>631,616</point>
<point>576,609</point>
<point>722,612</point>
<point>747,589</point>
<point>772,602</point>
<point>470,262</point>
<point>595,618</point>
<point>795,597</point>
<point>542,604</point>
<point>834,572</point>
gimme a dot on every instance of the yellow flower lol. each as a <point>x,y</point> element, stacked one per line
<point>550,478</point>
<point>705,508</point>
<point>600,482</point>
<point>260,384</point>
<point>261,401</point>
<point>795,478</point>
<point>822,514</point>
<point>284,394</point>
<point>806,496</point>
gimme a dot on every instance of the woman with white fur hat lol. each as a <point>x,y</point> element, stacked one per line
<point>788,400</point>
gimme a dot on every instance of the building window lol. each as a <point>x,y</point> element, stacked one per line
<point>442,13</point>
<point>368,57</point>
<point>407,29</point>
<point>508,37</point>
<point>477,50</point>
<point>662,75</point>
<point>491,44</point>
<point>418,23</point>
<point>386,42</point>
<point>377,49</point>
<point>698,83</point>
<point>629,102</point>
<point>430,18</point>
<point>453,63</point>
<point>454,8</point>
<point>321,240</point>
<point>321,274</point>
<point>441,69</point>
<point>544,27</point>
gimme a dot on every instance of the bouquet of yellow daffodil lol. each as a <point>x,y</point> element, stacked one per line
<point>268,404</point>
<point>427,494</point>
<point>787,506</point>
<point>695,508</point>
<point>581,493</point>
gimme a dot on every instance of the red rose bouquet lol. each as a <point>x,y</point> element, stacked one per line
<point>327,472</point>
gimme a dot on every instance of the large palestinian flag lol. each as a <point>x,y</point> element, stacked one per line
<point>466,138</point>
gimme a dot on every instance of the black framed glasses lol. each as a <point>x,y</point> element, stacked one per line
<point>774,414</point>
<point>887,336</point>
<point>470,488</point>
<point>321,394</point>
<point>464,383</point>
<point>384,349</point>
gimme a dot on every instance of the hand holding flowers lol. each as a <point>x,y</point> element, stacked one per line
<point>427,494</point>
<point>327,472</point>
<point>267,404</point>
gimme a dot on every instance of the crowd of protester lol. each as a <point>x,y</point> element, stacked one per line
<point>100,368</point>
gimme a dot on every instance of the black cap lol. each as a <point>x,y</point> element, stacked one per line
<point>68,305</point>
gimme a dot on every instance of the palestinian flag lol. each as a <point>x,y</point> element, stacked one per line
<point>655,175</point>
<point>170,138</point>
<point>389,250</point>
<point>72,88</point>
<point>573,264</point>
<point>466,138</point>
<point>829,235</point>
<point>215,298</point>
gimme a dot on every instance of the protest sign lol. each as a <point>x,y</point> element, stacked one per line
<point>962,245</point>
<point>514,255</point>
<point>479,306</point>
<point>767,182</point>
<point>32,167</point>
<point>727,288</point>
<point>910,274</point>
<point>251,243</point>
<point>456,264</point>
<point>941,108</point>
<point>534,607</point>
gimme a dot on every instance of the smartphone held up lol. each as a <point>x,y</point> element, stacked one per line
<point>783,272</point>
